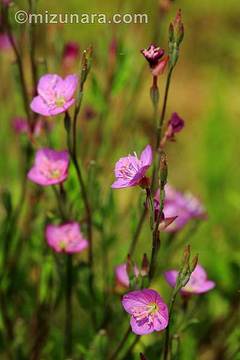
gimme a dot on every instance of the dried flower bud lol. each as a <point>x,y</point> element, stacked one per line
<point>166,222</point>
<point>145,266</point>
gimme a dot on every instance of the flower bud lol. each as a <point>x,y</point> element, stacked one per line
<point>194,263</point>
<point>178,28</point>
<point>186,255</point>
<point>142,356</point>
<point>166,222</point>
<point>145,266</point>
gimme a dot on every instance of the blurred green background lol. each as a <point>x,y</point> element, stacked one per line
<point>205,158</point>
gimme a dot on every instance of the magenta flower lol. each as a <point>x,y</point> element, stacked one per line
<point>197,284</point>
<point>147,309</point>
<point>184,206</point>
<point>71,50</point>
<point>50,167</point>
<point>130,170</point>
<point>66,238</point>
<point>21,126</point>
<point>153,54</point>
<point>175,124</point>
<point>55,95</point>
<point>122,277</point>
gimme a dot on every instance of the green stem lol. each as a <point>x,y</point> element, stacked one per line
<point>59,202</point>
<point>167,333</point>
<point>162,117</point>
<point>121,344</point>
<point>131,347</point>
<point>156,167</point>
<point>20,70</point>
<point>32,10</point>
<point>68,304</point>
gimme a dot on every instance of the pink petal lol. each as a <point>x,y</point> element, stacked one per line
<point>171,277</point>
<point>142,328</point>
<point>146,156</point>
<point>39,106</point>
<point>48,83</point>
<point>70,86</point>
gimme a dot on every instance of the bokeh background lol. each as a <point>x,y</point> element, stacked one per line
<point>204,160</point>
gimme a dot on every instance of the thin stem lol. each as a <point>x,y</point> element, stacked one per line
<point>20,69</point>
<point>167,333</point>
<point>59,202</point>
<point>162,117</point>
<point>131,347</point>
<point>156,167</point>
<point>137,232</point>
<point>32,9</point>
<point>68,311</point>
<point>121,344</point>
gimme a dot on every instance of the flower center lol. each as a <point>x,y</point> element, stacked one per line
<point>55,173</point>
<point>145,313</point>
<point>62,245</point>
<point>129,170</point>
<point>59,102</point>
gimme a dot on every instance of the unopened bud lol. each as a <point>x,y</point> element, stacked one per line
<point>142,356</point>
<point>171,33</point>
<point>194,263</point>
<point>186,255</point>
<point>145,266</point>
<point>178,28</point>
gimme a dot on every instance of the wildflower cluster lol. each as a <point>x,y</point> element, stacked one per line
<point>71,229</point>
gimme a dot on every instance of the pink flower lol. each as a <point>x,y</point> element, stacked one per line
<point>21,126</point>
<point>160,67</point>
<point>184,206</point>
<point>147,309</point>
<point>130,170</point>
<point>122,275</point>
<point>153,54</point>
<point>175,124</point>
<point>55,95</point>
<point>66,238</point>
<point>71,50</point>
<point>156,59</point>
<point>50,167</point>
<point>197,284</point>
